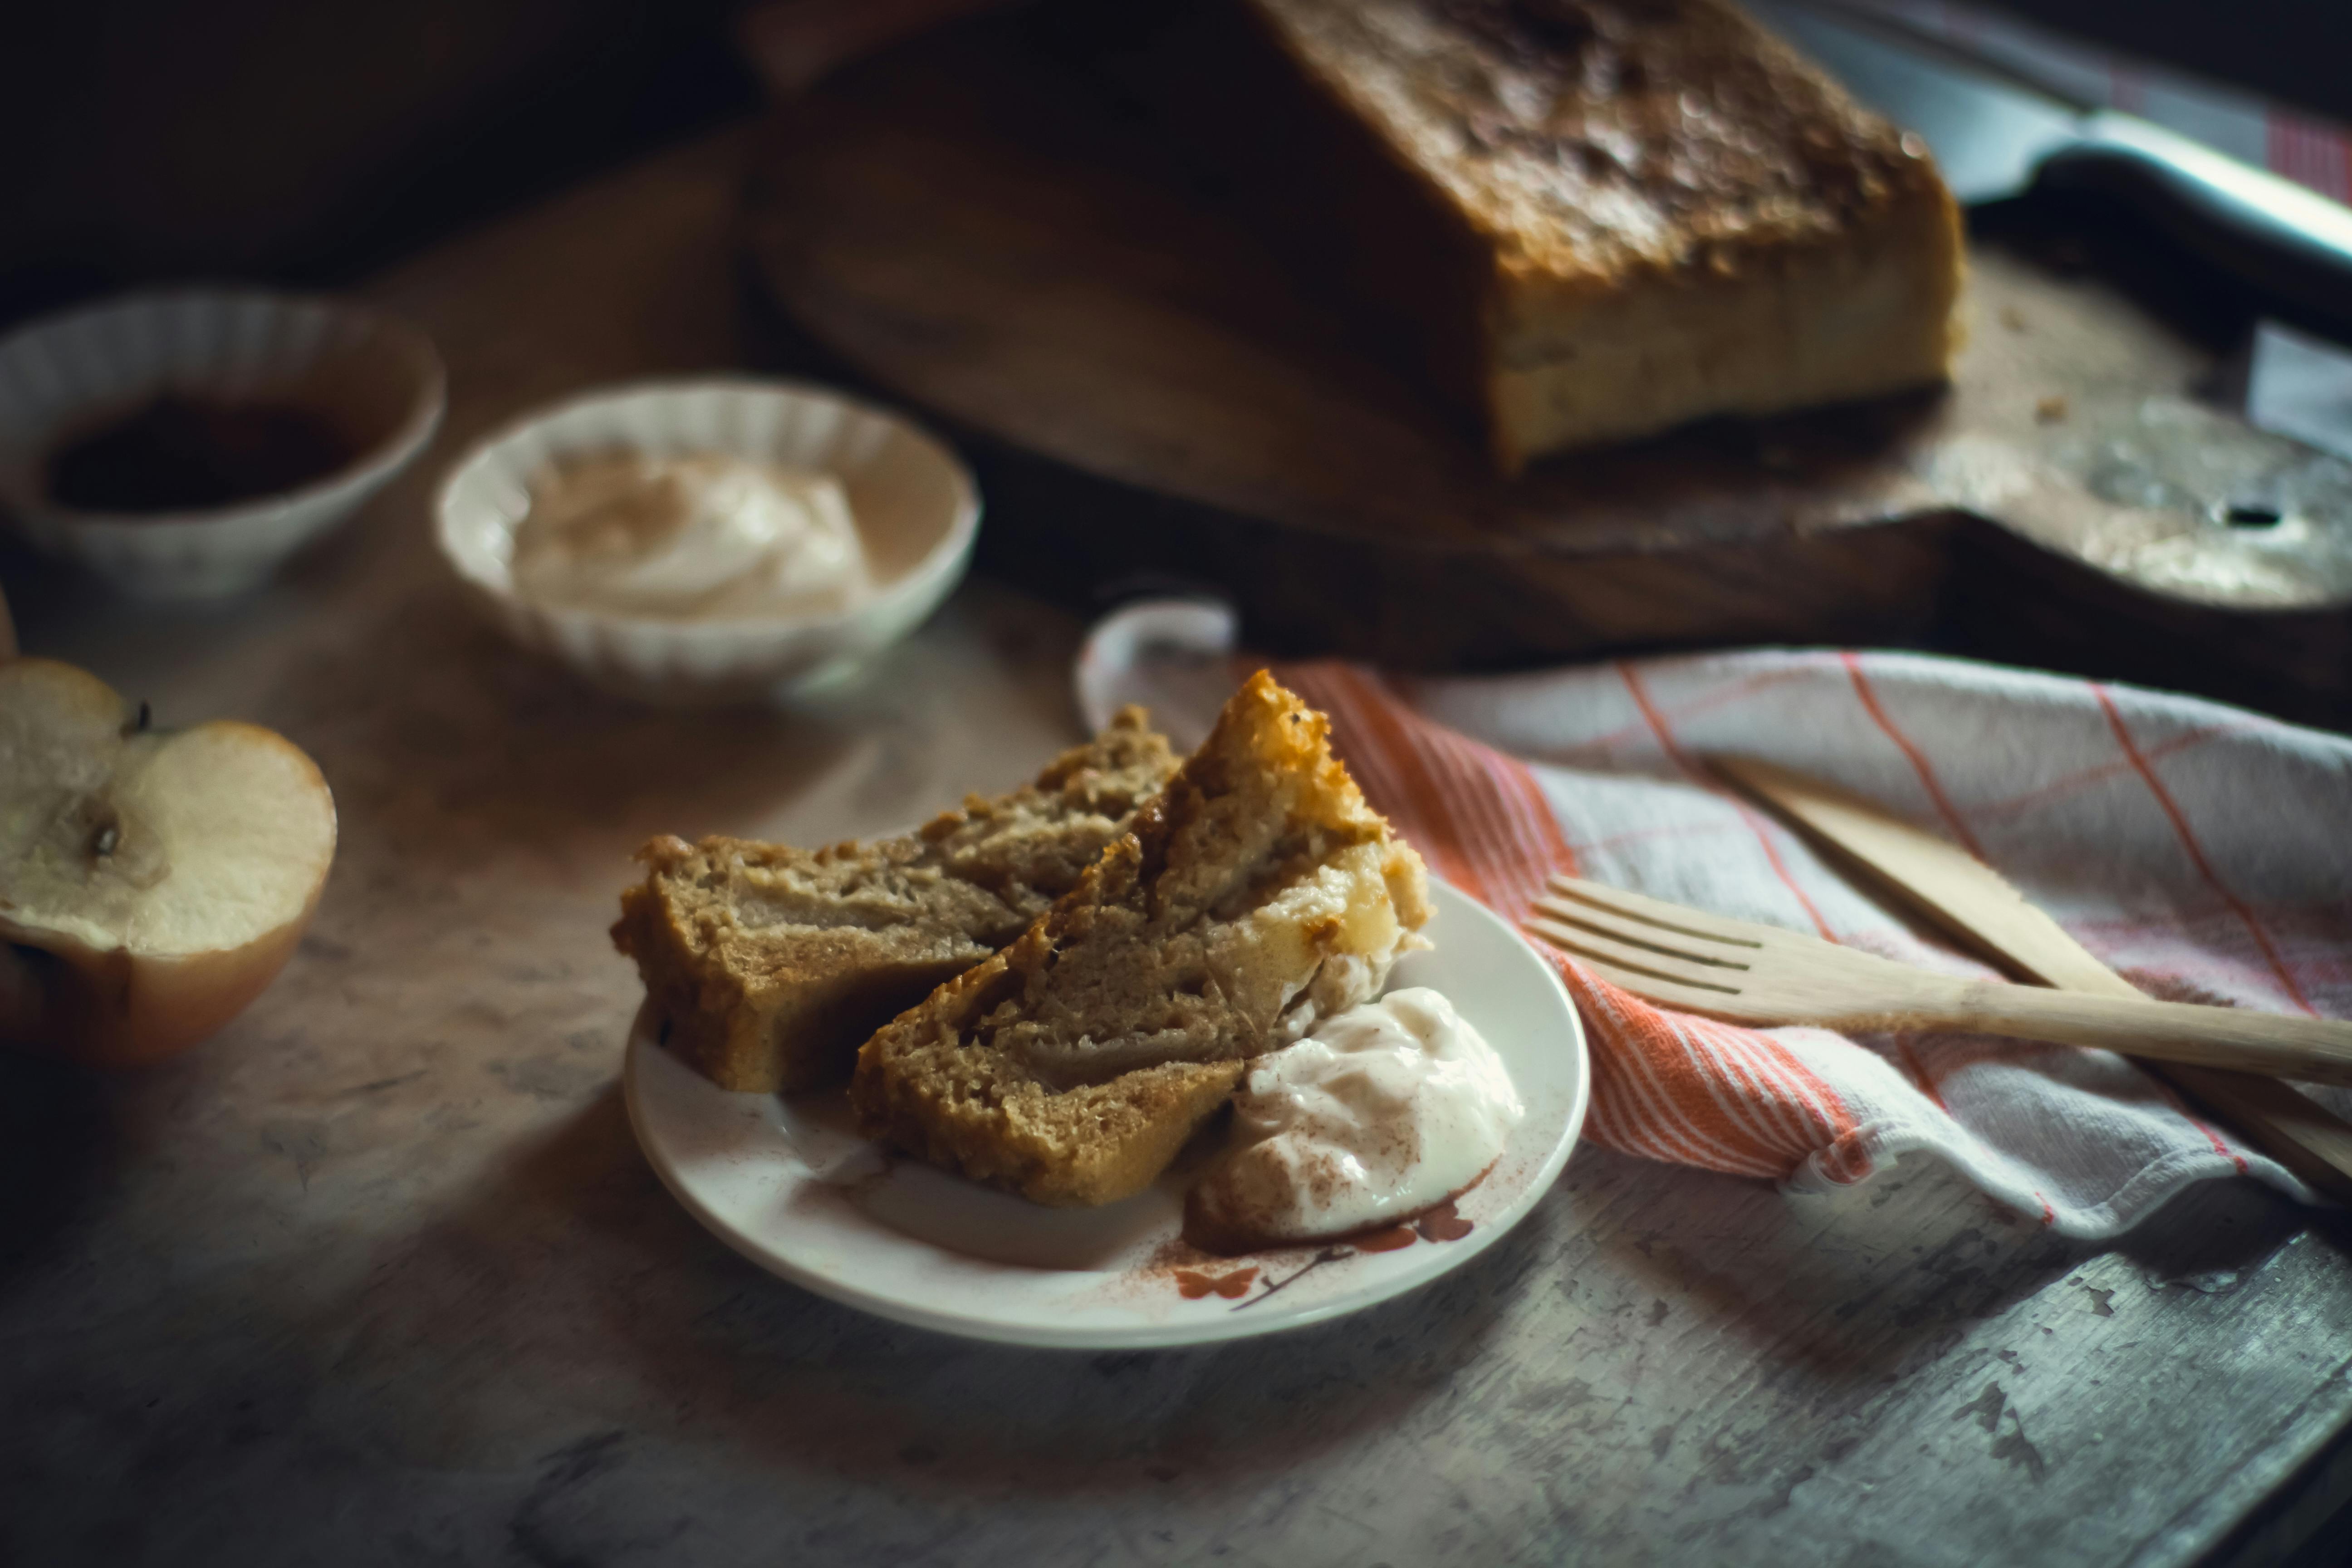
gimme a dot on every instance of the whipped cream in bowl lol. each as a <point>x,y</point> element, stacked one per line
<point>1383,1112</point>
<point>699,537</point>
<point>727,540</point>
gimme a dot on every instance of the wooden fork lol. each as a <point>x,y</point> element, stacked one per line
<point>1761,975</point>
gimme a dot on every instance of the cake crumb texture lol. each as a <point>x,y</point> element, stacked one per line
<point>770,964</point>
<point>1254,895</point>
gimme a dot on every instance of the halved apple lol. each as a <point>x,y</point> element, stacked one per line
<point>153,882</point>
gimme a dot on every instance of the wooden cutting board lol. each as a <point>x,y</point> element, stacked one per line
<point>979,224</point>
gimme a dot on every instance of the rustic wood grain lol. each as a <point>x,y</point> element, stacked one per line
<point>379,1276</point>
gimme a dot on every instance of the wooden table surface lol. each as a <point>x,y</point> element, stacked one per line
<point>379,1276</point>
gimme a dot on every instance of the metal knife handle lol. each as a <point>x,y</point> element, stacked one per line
<point>2268,230</point>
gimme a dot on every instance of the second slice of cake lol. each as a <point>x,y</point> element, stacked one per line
<point>1256,894</point>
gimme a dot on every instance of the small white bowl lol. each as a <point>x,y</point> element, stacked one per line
<point>377,380</point>
<point>917,511</point>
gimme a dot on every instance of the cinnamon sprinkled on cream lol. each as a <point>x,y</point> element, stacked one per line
<point>1384,1111</point>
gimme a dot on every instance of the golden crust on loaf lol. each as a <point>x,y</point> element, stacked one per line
<point>1509,180</point>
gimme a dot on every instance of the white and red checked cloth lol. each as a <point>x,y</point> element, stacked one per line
<point>2203,851</point>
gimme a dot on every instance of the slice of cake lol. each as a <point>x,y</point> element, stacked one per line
<point>770,965</point>
<point>1594,219</point>
<point>1254,895</point>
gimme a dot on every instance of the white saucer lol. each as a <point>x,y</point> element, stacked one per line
<point>790,1186</point>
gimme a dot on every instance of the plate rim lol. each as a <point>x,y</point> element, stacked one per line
<point>1167,1334</point>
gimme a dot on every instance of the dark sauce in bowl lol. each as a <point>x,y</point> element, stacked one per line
<point>182,454</point>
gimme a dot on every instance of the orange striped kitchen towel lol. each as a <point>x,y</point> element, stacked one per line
<point>2199,849</point>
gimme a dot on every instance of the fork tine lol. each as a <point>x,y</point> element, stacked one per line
<point>1656,964</point>
<point>1644,982</point>
<point>1676,917</point>
<point>1632,933</point>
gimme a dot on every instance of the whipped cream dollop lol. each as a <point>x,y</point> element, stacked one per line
<point>696,538</point>
<point>1386,1109</point>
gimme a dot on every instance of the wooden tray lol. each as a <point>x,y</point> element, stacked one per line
<point>980,223</point>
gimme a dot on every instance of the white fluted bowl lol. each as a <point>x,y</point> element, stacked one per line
<point>377,381</point>
<point>917,511</point>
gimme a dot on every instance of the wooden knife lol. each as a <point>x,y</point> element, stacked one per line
<point>1971,901</point>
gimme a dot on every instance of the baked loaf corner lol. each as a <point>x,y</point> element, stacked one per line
<point>770,965</point>
<point>1256,894</point>
<point>1595,219</point>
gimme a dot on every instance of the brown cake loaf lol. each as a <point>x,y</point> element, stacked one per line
<point>1594,219</point>
<point>770,964</point>
<point>1254,895</point>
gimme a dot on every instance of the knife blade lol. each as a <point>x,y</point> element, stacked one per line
<point>1974,903</point>
<point>1996,134</point>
